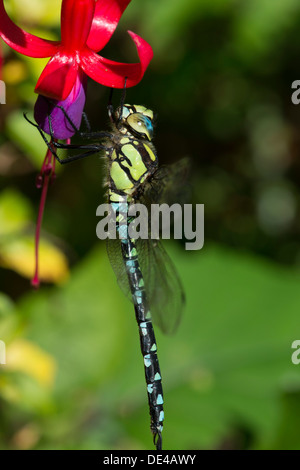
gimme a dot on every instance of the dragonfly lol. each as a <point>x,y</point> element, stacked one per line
<point>143,268</point>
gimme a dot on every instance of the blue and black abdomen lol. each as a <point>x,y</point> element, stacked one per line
<point>147,338</point>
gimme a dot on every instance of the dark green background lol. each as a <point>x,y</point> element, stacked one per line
<point>220,83</point>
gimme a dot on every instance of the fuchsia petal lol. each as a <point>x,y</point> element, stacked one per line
<point>58,77</point>
<point>106,17</point>
<point>24,42</point>
<point>46,109</point>
<point>112,74</point>
<point>76,21</point>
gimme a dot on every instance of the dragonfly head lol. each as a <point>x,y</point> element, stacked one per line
<point>136,120</point>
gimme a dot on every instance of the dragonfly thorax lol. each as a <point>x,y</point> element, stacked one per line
<point>132,155</point>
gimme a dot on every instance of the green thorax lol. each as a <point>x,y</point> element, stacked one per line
<point>132,156</point>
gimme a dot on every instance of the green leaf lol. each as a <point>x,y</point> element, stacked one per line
<point>223,370</point>
<point>15,212</point>
<point>26,137</point>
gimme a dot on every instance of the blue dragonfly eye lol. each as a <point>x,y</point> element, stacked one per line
<point>141,125</point>
<point>148,124</point>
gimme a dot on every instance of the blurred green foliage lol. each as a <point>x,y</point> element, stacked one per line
<point>220,83</point>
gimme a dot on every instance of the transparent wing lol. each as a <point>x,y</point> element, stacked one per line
<point>169,184</point>
<point>114,252</point>
<point>162,283</point>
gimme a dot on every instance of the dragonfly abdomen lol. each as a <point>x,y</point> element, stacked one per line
<point>147,338</point>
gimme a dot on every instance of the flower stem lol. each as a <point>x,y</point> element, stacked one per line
<point>47,174</point>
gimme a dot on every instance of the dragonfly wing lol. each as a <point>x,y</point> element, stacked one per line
<point>114,252</point>
<point>169,184</point>
<point>162,283</point>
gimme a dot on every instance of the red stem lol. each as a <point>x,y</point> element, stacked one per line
<point>46,175</point>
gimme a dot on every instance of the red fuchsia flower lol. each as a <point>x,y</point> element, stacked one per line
<point>86,27</point>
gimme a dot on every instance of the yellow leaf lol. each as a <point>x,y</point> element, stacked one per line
<point>18,255</point>
<point>24,356</point>
<point>34,11</point>
<point>14,72</point>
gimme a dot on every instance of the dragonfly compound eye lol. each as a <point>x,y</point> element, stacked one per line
<point>141,125</point>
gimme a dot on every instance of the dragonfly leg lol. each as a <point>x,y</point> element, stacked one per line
<point>91,148</point>
<point>86,135</point>
<point>110,108</point>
